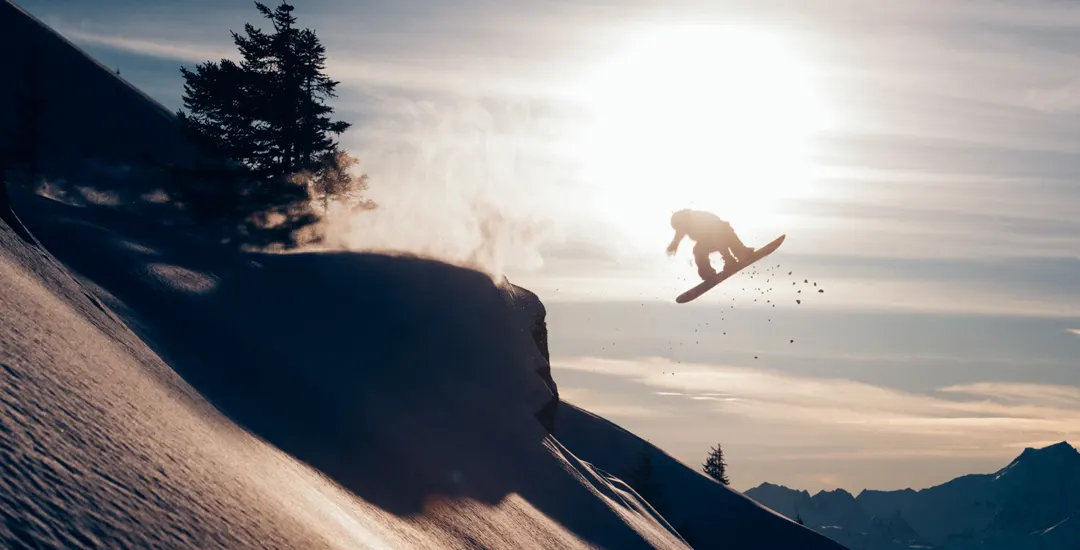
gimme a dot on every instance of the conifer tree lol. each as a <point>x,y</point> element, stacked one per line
<point>714,465</point>
<point>222,117</point>
<point>266,112</point>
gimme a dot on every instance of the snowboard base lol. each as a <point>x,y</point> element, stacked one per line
<point>705,286</point>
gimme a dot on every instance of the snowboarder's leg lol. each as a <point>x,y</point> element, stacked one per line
<point>735,244</point>
<point>729,259</point>
<point>741,250</point>
<point>701,258</point>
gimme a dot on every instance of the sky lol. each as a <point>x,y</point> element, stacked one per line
<point>921,158</point>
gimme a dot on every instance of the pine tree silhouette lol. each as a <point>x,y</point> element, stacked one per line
<point>267,115</point>
<point>714,465</point>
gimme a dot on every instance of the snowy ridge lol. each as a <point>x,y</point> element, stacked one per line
<point>165,112</point>
<point>1028,504</point>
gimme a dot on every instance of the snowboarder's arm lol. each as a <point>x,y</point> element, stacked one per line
<point>674,246</point>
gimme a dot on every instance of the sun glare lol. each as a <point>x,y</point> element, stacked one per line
<point>698,116</point>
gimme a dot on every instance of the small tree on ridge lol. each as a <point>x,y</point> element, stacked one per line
<point>714,465</point>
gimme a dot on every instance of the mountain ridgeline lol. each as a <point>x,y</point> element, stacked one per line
<point>1032,503</point>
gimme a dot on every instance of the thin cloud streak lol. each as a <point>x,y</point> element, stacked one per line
<point>351,71</point>
<point>600,403</point>
<point>844,294</point>
<point>1034,15</point>
<point>983,414</point>
<point>1066,396</point>
<point>189,52</point>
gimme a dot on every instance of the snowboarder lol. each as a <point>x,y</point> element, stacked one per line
<point>711,234</point>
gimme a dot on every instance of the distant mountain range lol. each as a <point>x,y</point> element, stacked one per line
<point>1031,504</point>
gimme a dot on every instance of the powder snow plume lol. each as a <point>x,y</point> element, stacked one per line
<point>466,182</point>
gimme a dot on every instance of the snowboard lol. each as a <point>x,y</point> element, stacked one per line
<point>728,271</point>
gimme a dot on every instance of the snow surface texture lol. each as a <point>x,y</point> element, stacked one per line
<point>1033,503</point>
<point>397,378</point>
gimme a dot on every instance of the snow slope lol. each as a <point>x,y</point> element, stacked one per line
<point>415,412</point>
<point>706,513</point>
<point>396,378</point>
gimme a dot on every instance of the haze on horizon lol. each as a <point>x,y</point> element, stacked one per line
<point>921,158</point>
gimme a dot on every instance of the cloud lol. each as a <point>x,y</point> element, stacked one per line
<point>794,430</point>
<point>403,56</point>
<point>981,414</point>
<point>351,71</point>
<point>190,52</point>
<point>436,78</point>
<point>1019,394</point>
<point>603,405</point>
<point>930,292</point>
<point>1036,15</point>
<point>829,480</point>
<point>1075,331</point>
<point>1060,99</point>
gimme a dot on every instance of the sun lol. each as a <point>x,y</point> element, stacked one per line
<point>700,116</point>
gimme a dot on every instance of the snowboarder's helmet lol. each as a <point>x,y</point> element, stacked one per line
<point>680,219</point>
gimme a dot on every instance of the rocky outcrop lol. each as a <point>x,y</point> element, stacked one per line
<point>532,317</point>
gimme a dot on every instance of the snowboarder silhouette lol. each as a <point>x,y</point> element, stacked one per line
<point>711,234</point>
